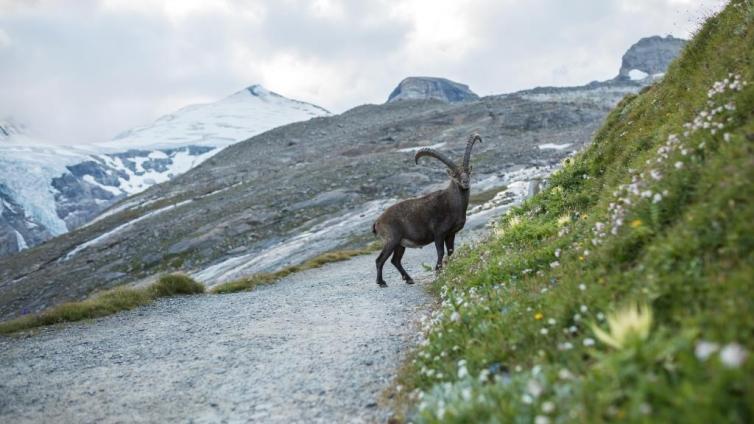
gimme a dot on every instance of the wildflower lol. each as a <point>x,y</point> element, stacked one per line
<point>541,419</point>
<point>582,286</point>
<point>600,316</point>
<point>704,350</point>
<point>636,223</point>
<point>678,165</point>
<point>543,331</point>
<point>554,264</point>
<point>557,253</point>
<point>588,342</point>
<point>628,324</point>
<point>726,137</point>
<point>733,355</point>
<point>564,374</point>
<point>573,329</point>
<point>584,309</point>
<point>657,198</point>
<point>565,346</point>
<point>551,321</point>
<point>455,316</point>
<point>548,407</point>
<point>564,220</point>
<point>538,316</point>
<point>534,388</point>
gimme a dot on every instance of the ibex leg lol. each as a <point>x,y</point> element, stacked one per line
<point>396,260</point>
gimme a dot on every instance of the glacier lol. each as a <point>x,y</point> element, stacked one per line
<point>60,188</point>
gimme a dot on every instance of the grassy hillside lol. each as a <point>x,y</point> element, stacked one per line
<point>625,291</point>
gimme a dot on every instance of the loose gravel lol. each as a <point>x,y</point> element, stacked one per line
<point>319,346</point>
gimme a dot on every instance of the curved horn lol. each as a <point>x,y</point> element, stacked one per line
<point>469,144</point>
<point>426,151</point>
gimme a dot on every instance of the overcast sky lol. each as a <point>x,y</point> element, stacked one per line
<point>84,70</point>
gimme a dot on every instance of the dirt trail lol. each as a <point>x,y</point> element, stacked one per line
<point>318,346</point>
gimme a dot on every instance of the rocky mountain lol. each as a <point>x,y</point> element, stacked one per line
<point>51,189</point>
<point>425,88</point>
<point>301,189</point>
<point>650,56</point>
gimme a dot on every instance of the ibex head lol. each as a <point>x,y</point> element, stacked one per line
<point>459,174</point>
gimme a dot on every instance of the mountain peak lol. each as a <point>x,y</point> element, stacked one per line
<point>258,90</point>
<point>413,88</point>
<point>649,56</point>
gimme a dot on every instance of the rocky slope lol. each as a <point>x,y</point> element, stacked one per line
<point>304,188</point>
<point>425,88</point>
<point>58,188</point>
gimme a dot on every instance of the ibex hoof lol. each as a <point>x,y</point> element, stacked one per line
<point>409,281</point>
<point>382,284</point>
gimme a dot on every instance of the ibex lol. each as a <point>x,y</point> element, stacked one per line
<point>436,217</point>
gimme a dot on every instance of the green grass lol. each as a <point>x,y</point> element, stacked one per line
<point>106,303</point>
<point>250,283</point>
<point>513,338</point>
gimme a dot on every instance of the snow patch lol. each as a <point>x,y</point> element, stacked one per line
<point>637,75</point>
<point>99,239</point>
<point>554,146</point>
<point>20,241</point>
<point>416,148</point>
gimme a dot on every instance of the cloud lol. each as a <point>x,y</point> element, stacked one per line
<point>82,71</point>
<point>4,39</point>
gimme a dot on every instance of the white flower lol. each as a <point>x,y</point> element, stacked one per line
<point>565,346</point>
<point>543,331</point>
<point>557,253</point>
<point>466,394</point>
<point>657,198</point>
<point>588,341</point>
<point>704,350</point>
<point>554,264</point>
<point>726,137</point>
<point>678,165</point>
<point>584,309</point>
<point>548,407</point>
<point>551,321</point>
<point>541,419</point>
<point>582,286</point>
<point>527,399</point>
<point>600,316</point>
<point>564,374</point>
<point>534,388</point>
<point>573,329</point>
<point>455,316</point>
<point>733,355</point>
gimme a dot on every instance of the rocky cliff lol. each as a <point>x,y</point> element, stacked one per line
<point>425,88</point>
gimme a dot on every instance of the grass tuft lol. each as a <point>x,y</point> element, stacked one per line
<point>175,284</point>
<point>250,283</point>
<point>105,303</point>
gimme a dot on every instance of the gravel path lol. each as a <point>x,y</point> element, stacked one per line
<point>319,346</point>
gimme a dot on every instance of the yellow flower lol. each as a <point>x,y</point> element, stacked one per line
<point>564,220</point>
<point>636,223</point>
<point>581,258</point>
<point>626,325</point>
<point>538,316</point>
